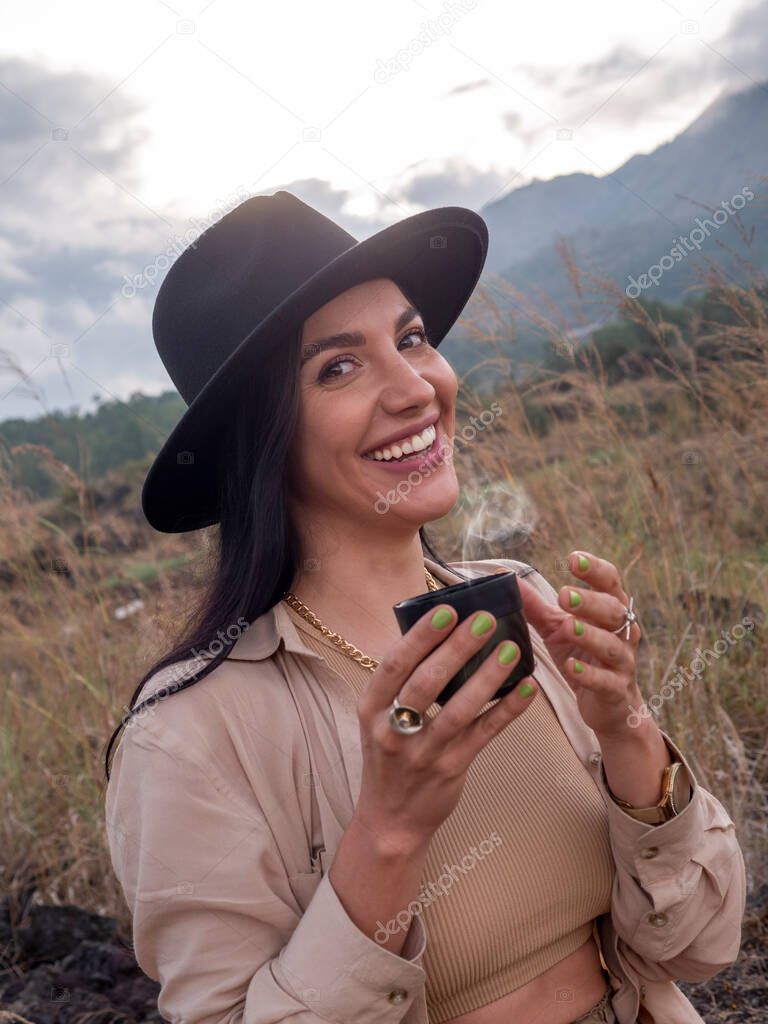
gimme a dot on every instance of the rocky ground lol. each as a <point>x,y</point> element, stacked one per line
<point>65,965</point>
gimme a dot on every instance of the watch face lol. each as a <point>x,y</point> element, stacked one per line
<point>681,789</point>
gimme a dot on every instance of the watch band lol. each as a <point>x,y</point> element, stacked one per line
<point>675,794</point>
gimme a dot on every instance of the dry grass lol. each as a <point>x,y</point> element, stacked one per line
<point>664,475</point>
<point>667,477</point>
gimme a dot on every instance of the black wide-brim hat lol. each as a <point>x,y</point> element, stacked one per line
<point>237,294</point>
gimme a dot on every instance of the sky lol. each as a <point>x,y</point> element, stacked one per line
<point>127,128</point>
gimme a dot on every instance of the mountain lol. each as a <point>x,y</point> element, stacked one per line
<point>623,223</point>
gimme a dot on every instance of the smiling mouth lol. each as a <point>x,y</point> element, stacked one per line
<point>428,437</point>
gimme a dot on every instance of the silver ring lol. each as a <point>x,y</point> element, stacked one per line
<point>405,719</point>
<point>629,618</point>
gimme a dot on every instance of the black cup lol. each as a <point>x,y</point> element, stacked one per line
<point>498,594</point>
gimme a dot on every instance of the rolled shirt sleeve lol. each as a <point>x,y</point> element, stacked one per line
<point>679,890</point>
<point>215,917</point>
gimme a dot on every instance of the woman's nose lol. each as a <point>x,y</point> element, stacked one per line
<point>401,379</point>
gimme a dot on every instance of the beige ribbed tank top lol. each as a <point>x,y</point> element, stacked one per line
<point>516,874</point>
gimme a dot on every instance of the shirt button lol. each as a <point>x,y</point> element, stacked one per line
<point>649,851</point>
<point>397,995</point>
<point>594,758</point>
<point>658,920</point>
<point>642,990</point>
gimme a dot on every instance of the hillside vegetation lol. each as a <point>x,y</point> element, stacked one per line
<point>645,445</point>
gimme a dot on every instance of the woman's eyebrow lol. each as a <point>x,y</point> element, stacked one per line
<point>352,339</point>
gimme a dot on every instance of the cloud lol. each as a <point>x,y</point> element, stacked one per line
<point>74,223</point>
<point>75,227</point>
<point>745,44</point>
<point>455,182</point>
<point>618,64</point>
<point>458,90</point>
<point>46,117</point>
<point>625,83</point>
<point>334,203</point>
<point>540,74</point>
<point>69,204</point>
<point>512,121</point>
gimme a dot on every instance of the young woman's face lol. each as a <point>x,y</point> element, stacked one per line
<point>356,394</point>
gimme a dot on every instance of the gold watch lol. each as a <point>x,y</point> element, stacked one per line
<point>675,795</point>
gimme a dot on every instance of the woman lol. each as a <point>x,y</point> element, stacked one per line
<point>290,846</point>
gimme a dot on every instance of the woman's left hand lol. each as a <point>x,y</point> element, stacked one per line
<point>578,633</point>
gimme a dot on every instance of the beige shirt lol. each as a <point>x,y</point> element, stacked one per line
<point>227,801</point>
<point>516,875</point>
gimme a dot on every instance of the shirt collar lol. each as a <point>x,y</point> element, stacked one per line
<point>263,636</point>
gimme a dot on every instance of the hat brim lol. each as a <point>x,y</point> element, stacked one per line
<point>436,256</point>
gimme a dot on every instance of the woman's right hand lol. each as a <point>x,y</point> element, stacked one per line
<point>411,783</point>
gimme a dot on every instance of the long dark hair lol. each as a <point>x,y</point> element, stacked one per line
<point>258,544</point>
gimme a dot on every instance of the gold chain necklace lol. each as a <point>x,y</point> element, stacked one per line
<point>344,645</point>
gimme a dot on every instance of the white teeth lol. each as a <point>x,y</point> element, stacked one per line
<point>415,443</point>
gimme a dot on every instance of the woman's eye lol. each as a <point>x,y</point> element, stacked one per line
<point>420,332</point>
<point>325,373</point>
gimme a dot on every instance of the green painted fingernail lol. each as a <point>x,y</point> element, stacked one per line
<point>526,690</point>
<point>575,599</point>
<point>441,618</point>
<point>507,652</point>
<point>578,627</point>
<point>577,666</point>
<point>583,563</point>
<point>481,624</point>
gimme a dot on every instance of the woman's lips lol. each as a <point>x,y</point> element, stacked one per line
<point>418,460</point>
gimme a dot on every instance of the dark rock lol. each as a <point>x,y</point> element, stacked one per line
<point>54,932</point>
<point>93,965</point>
<point>64,965</point>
